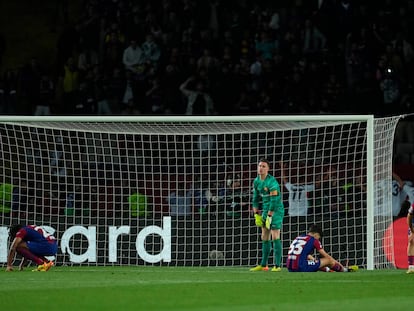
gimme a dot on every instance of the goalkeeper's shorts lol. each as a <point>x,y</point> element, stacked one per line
<point>277,220</point>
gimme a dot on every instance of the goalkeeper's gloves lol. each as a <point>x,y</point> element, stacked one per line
<point>258,220</point>
<point>268,221</point>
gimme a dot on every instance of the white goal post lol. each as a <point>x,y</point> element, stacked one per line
<point>176,190</point>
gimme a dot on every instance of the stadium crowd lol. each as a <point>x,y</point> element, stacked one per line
<point>223,57</point>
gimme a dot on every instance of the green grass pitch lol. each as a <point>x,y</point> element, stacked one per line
<point>202,289</point>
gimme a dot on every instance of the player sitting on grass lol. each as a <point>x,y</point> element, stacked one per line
<point>32,243</point>
<point>300,257</point>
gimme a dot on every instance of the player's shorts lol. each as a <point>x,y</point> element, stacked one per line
<point>43,248</point>
<point>277,219</point>
<point>308,266</point>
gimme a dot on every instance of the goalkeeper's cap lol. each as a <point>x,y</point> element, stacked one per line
<point>315,229</point>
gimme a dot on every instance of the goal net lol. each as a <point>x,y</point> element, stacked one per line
<point>177,190</point>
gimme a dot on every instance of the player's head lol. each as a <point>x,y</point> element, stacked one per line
<point>315,231</point>
<point>14,229</point>
<point>405,206</point>
<point>263,166</point>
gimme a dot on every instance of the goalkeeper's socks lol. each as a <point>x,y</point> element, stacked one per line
<point>265,253</point>
<point>277,252</point>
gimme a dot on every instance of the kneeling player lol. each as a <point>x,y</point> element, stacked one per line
<point>32,243</point>
<point>300,257</point>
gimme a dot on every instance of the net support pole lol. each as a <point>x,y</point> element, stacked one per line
<point>370,193</point>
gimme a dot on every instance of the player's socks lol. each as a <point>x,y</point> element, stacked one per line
<point>44,258</point>
<point>338,268</point>
<point>277,252</point>
<point>265,252</point>
<point>29,255</point>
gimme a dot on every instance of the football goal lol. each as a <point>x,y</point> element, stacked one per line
<point>176,190</point>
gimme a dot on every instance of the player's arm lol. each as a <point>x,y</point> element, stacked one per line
<point>255,200</point>
<point>283,176</point>
<point>258,220</point>
<point>410,222</point>
<point>323,253</point>
<point>274,196</point>
<point>398,179</point>
<point>12,253</point>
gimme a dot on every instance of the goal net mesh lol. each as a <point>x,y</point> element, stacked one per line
<point>100,185</point>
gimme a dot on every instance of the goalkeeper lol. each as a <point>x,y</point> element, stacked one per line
<point>266,189</point>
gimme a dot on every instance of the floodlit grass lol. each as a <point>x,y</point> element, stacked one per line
<point>185,288</point>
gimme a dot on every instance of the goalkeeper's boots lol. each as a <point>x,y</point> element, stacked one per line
<point>44,267</point>
<point>353,268</point>
<point>276,269</point>
<point>259,268</point>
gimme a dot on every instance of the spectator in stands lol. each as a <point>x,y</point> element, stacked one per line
<point>87,59</point>
<point>298,192</point>
<point>333,192</point>
<point>133,57</point>
<point>115,87</point>
<point>30,78</point>
<point>226,32</point>
<point>170,81</point>
<point>46,96</point>
<point>200,196</point>
<point>179,201</point>
<point>391,91</point>
<point>138,204</point>
<point>10,96</point>
<point>69,78</point>
<point>6,197</point>
<point>207,61</point>
<point>20,198</point>
<point>3,47</point>
<point>313,41</point>
<point>399,196</point>
<point>265,45</point>
<point>99,90</point>
<point>235,199</point>
<point>151,51</point>
<point>113,49</point>
<point>154,96</point>
<point>199,101</point>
